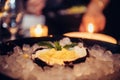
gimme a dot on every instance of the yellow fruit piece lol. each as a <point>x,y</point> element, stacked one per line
<point>53,56</point>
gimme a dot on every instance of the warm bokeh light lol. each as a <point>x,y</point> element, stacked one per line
<point>90,28</point>
<point>38,31</point>
<point>6,7</point>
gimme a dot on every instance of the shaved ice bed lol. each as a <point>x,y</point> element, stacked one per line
<point>100,65</point>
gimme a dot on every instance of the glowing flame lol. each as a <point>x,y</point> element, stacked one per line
<point>38,30</point>
<point>90,28</point>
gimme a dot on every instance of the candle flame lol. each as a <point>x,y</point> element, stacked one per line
<point>38,30</point>
<point>90,28</point>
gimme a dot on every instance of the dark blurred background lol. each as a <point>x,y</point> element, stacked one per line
<point>112,14</point>
<point>59,23</point>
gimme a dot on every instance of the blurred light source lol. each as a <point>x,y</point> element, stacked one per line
<point>38,31</point>
<point>12,4</point>
<point>90,28</point>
